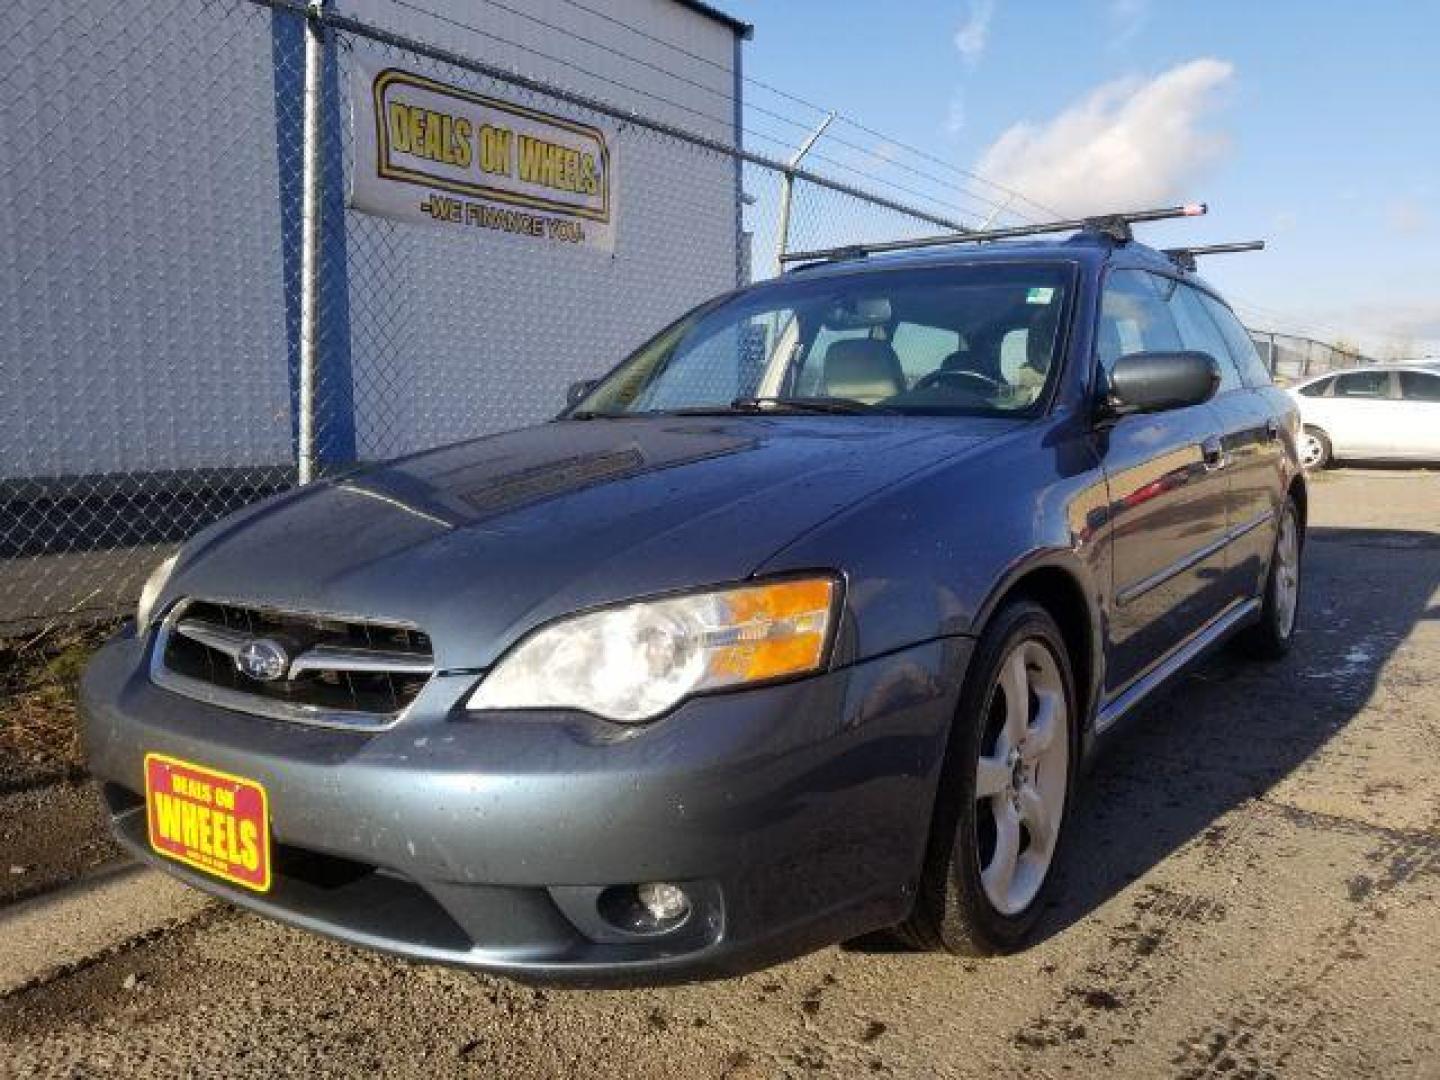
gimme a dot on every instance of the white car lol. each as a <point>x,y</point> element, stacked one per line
<point>1389,413</point>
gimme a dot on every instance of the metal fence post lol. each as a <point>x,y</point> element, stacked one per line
<point>311,177</point>
<point>787,192</point>
<point>782,224</point>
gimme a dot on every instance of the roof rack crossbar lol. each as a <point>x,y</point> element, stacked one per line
<point>1114,225</point>
<point>1184,257</point>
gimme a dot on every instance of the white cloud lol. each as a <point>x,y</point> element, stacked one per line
<point>1127,144</point>
<point>974,32</point>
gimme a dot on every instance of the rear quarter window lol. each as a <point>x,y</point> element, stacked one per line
<point>1242,348</point>
<point>807,380</point>
<point>1418,386</point>
<point>1316,388</point>
<point>922,349</point>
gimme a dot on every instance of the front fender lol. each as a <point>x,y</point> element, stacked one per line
<point>932,556</point>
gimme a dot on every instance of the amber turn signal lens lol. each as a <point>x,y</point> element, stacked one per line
<point>771,631</point>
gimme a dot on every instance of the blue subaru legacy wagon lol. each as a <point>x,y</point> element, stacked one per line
<point>797,625</point>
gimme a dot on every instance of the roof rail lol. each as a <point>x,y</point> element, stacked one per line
<point>1184,257</point>
<point>1116,226</point>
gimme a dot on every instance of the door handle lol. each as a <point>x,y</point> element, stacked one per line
<point>1213,452</point>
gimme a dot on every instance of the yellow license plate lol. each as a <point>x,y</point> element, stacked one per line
<point>209,820</point>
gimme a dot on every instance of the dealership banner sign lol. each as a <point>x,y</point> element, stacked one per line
<point>427,151</point>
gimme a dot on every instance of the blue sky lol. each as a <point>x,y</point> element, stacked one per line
<point>1315,126</point>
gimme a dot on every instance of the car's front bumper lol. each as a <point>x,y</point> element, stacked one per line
<point>794,815</point>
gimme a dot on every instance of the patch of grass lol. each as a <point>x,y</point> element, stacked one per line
<point>39,728</point>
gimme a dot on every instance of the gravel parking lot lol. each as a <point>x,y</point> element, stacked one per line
<point>1250,890</point>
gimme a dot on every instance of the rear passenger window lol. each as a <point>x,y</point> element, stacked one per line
<point>1198,331</point>
<point>1014,352</point>
<point>1417,386</point>
<point>1363,384</point>
<point>1134,317</point>
<point>1316,388</point>
<point>1242,347</point>
<point>923,349</point>
<point>807,380</point>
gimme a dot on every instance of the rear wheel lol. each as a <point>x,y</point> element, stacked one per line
<point>1315,449</point>
<point>1271,637</point>
<point>1006,789</point>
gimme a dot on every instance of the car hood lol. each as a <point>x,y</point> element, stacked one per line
<point>478,542</point>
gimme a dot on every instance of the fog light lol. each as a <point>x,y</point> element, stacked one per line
<point>664,902</point>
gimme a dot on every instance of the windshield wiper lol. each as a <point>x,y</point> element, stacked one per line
<point>748,406</point>
<point>806,404</point>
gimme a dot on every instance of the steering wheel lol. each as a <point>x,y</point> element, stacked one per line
<point>941,375</point>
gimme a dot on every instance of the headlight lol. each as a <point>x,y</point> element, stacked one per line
<point>154,585</point>
<point>633,663</point>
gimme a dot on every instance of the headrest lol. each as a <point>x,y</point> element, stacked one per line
<point>862,369</point>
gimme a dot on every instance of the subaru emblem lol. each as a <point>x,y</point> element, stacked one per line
<point>263,660</point>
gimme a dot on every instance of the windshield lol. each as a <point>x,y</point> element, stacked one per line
<point>978,339</point>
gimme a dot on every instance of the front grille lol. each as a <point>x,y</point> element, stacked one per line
<point>296,666</point>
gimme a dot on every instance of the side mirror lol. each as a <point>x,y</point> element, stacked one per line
<point>578,391</point>
<point>1147,382</point>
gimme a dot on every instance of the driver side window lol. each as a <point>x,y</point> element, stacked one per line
<point>1134,317</point>
<point>1198,331</point>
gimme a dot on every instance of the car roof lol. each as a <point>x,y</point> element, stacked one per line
<point>1089,249</point>
<point>955,255</point>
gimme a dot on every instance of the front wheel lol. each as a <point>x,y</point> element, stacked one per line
<point>1005,791</point>
<point>1271,637</point>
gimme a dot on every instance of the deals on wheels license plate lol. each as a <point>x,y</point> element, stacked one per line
<point>210,820</point>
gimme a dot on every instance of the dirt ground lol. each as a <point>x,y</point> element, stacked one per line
<point>1250,890</point>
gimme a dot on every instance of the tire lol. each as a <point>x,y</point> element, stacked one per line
<point>965,903</point>
<point>1316,453</point>
<point>1272,636</point>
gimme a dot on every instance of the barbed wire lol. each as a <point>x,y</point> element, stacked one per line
<point>725,121</point>
<point>874,154</point>
<point>821,110</point>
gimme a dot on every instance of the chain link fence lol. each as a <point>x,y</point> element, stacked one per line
<point>125,361</point>
<point>182,333</point>
<point>1290,357</point>
<point>193,317</point>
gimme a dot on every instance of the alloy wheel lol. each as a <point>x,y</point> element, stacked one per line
<point>1287,574</point>
<point>1312,450</point>
<point>1021,776</point>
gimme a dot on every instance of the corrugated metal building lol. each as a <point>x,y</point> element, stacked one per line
<point>148,283</point>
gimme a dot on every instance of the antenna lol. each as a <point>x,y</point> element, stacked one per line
<point>1116,226</point>
<point>1184,257</point>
